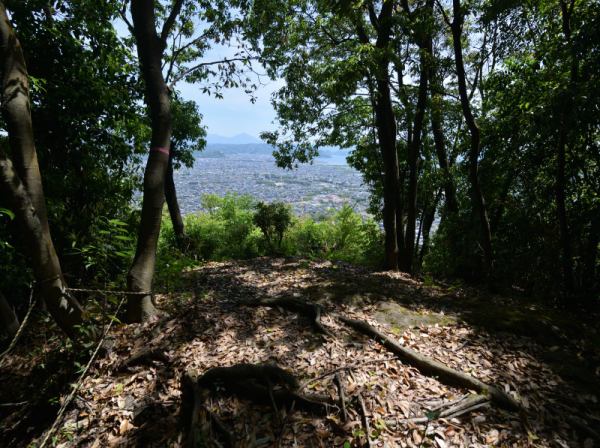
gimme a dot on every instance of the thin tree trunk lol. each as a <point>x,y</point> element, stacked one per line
<point>150,49</point>
<point>173,204</point>
<point>9,322</point>
<point>413,165</point>
<point>21,183</point>
<point>386,131</point>
<point>478,198</point>
<point>436,89</point>
<point>427,224</point>
<point>560,186</point>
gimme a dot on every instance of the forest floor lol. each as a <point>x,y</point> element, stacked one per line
<point>548,359</point>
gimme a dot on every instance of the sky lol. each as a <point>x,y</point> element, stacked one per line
<point>233,114</point>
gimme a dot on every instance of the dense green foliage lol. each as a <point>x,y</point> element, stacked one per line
<point>229,228</point>
<point>532,71</point>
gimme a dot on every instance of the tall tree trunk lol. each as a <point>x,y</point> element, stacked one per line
<point>386,131</point>
<point>385,122</point>
<point>16,112</point>
<point>560,186</point>
<point>150,49</point>
<point>9,322</point>
<point>21,184</point>
<point>173,204</point>
<point>436,91</point>
<point>478,198</point>
<point>414,150</point>
<point>427,224</point>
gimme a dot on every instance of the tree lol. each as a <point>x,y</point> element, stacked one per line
<point>480,206</point>
<point>21,184</point>
<point>180,64</point>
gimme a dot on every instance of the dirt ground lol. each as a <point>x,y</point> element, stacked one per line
<point>547,359</point>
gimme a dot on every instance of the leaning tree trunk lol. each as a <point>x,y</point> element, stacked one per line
<point>150,50</point>
<point>21,184</point>
<point>9,322</point>
<point>16,112</point>
<point>173,204</point>
<point>478,198</point>
<point>46,268</point>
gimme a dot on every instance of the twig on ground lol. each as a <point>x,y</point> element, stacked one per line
<point>348,367</point>
<point>463,406</point>
<point>365,418</point>
<point>342,395</point>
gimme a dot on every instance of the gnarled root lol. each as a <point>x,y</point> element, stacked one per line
<point>430,367</point>
<point>264,384</point>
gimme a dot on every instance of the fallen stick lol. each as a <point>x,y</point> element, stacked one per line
<point>428,366</point>
<point>340,386</point>
<point>365,419</point>
<point>348,367</point>
<point>463,407</point>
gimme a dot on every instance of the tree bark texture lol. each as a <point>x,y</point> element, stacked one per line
<point>478,198</point>
<point>414,150</point>
<point>437,95</point>
<point>150,49</point>
<point>21,183</point>
<point>46,267</point>
<point>560,186</point>
<point>173,204</point>
<point>16,111</point>
<point>9,322</point>
<point>386,131</point>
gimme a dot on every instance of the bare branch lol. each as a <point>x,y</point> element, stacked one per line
<point>206,64</point>
<point>444,15</point>
<point>123,14</point>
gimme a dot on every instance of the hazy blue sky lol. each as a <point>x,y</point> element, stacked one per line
<point>234,114</point>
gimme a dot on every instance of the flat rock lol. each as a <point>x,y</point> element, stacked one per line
<point>401,318</point>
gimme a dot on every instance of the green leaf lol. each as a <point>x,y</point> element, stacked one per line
<point>432,415</point>
<point>7,212</point>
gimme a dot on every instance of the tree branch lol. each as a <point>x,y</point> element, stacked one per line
<point>168,25</point>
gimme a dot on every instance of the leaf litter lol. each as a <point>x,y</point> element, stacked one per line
<point>138,405</point>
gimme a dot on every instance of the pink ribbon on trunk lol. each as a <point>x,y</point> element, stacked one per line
<point>160,149</point>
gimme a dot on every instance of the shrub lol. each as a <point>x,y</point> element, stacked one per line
<point>237,227</point>
<point>273,220</point>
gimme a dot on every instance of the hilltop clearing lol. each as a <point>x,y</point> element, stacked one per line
<point>132,396</point>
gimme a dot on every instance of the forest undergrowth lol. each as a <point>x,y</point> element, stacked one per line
<point>132,395</point>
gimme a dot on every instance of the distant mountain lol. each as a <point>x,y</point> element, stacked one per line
<point>220,150</point>
<point>239,139</point>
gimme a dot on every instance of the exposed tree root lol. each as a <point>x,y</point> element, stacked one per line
<point>310,310</point>
<point>450,410</point>
<point>430,367</point>
<point>144,356</point>
<point>260,383</point>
